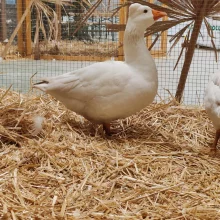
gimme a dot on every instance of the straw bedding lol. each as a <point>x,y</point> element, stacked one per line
<point>69,48</point>
<point>12,52</point>
<point>159,167</point>
<point>74,48</point>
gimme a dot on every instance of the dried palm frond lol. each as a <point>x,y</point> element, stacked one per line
<point>88,14</point>
<point>43,10</point>
<point>192,13</point>
<point>187,12</point>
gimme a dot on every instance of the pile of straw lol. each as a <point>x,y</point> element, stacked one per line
<point>159,167</point>
<point>69,48</point>
<point>12,52</point>
<point>74,48</point>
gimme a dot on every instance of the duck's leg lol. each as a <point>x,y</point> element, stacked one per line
<point>217,136</point>
<point>106,128</point>
<point>108,131</point>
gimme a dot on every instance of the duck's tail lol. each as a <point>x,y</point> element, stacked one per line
<point>43,85</point>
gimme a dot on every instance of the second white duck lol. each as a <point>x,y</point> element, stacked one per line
<point>106,91</point>
<point>212,104</point>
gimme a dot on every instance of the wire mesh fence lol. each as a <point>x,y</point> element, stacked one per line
<point>49,43</point>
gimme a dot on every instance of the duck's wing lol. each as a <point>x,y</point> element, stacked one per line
<point>99,79</point>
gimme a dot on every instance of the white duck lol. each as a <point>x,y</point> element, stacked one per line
<point>212,104</point>
<point>106,91</point>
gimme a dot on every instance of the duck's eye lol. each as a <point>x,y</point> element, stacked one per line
<point>145,10</point>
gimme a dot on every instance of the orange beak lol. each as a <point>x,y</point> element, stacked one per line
<point>158,14</point>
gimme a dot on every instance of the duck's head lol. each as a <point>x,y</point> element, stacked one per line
<point>143,16</point>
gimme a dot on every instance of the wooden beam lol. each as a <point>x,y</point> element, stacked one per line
<point>20,22</point>
<point>28,47</point>
<point>164,39</point>
<point>82,58</point>
<point>59,17</point>
<point>162,51</point>
<point>122,20</point>
<point>19,5</point>
<point>149,38</point>
<point>36,38</point>
<point>3,29</point>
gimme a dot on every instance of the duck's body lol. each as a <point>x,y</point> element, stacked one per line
<point>108,97</point>
<point>212,104</point>
<point>112,90</point>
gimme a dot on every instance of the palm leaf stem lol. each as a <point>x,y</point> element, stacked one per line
<point>190,52</point>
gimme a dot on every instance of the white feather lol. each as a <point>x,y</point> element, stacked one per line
<point>37,125</point>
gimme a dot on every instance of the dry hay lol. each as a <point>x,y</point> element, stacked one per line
<point>79,48</point>
<point>12,53</point>
<point>69,48</point>
<point>159,167</point>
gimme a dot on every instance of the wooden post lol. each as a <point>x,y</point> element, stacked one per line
<point>149,38</point>
<point>20,22</point>
<point>58,11</point>
<point>36,39</point>
<point>164,40</point>
<point>163,43</point>
<point>28,48</point>
<point>3,29</point>
<point>122,20</point>
<point>190,52</point>
<point>19,5</point>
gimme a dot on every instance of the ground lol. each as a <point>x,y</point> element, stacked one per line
<point>159,167</point>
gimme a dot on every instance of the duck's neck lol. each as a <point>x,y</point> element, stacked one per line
<point>135,50</point>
